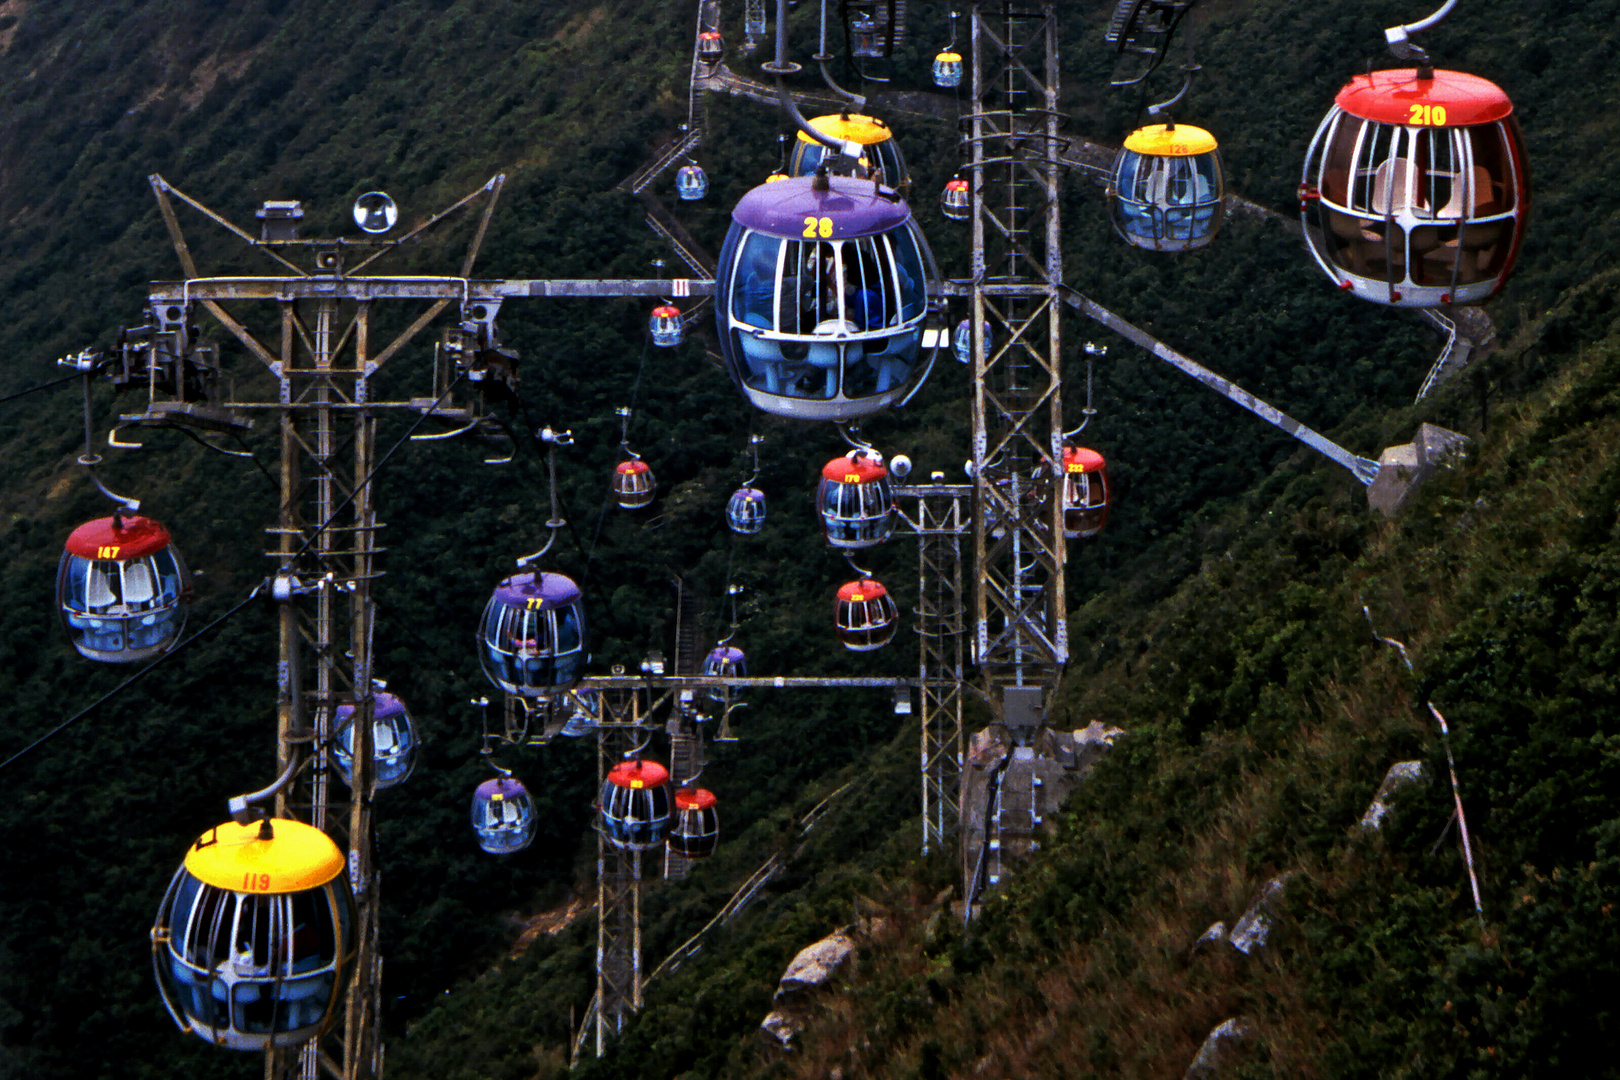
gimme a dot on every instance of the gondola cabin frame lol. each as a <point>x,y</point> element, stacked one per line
<point>122,589</point>
<point>1416,189</point>
<point>822,297</point>
<point>1169,191</point>
<point>255,936</point>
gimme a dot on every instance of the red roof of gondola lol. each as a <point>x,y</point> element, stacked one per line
<point>853,470</point>
<point>99,539</point>
<point>694,799</point>
<point>855,592</point>
<point>638,774</point>
<point>1389,96</point>
<point>1080,459</point>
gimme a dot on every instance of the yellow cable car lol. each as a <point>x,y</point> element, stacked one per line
<point>882,151</point>
<point>255,935</point>
<point>1168,189</point>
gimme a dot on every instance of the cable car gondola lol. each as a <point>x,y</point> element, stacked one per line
<point>881,151</point>
<point>122,589</point>
<point>725,662</point>
<point>1168,192</point>
<point>711,47</point>
<point>255,935</point>
<point>665,326</point>
<point>745,510</point>
<point>690,182</point>
<point>866,615</point>
<point>948,69</point>
<point>1416,188</point>
<point>821,297</point>
<point>696,832</point>
<point>394,742</point>
<point>503,815</point>
<point>635,805</point>
<point>532,640</point>
<point>956,202</point>
<point>855,502</point>
<point>633,484</point>
<point>1085,492</point>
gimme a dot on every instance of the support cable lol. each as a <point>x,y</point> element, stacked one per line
<point>126,684</point>
<point>141,674</point>
<point>37,389</point>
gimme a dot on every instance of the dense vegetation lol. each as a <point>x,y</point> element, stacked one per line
<point>1218,621</point>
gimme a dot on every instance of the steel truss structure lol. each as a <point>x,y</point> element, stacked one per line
<point>1015,296</point>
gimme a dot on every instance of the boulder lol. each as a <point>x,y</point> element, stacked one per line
<point>1250,932</point>
<point>1402,774</point>
<point>1221,1046</point>
<point>815,964</point>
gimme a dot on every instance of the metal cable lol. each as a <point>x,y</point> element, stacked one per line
<point>41,386</point>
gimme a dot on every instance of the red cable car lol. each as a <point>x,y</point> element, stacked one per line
<point>633,484</point>
<point>697,827</point>
<point>634,803</point>
<point>122,589</point>
<point>855,501</point>
<point>1085,492</point>
<point>1416,188</point>
<point>866,615</point>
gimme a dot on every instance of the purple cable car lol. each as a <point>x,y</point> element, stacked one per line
<point>394,742</point>
<point>532,642</point>
<point>503,815</point>
<point>723,662</point>
<point>821,297</point>
<point>745,511</point>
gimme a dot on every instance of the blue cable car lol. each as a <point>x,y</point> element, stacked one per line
<point>948,69</point>
<point>962,341</point>
<point>532,641</point>
<point>503,815</point>
<point>821,297</point>
<point>394,741</point>
<point>855,501</point>
<point>690,182</point>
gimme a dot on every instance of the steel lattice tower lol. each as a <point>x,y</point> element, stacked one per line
<point>1020,636</point>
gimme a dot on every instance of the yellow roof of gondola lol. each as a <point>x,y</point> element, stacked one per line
<point>234,857</point>
<point>864,130</point>
<point>1183,140</point>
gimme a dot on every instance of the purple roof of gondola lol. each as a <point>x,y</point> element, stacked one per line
<point>553,590</point>
<point>384,704</point>
<point>855,207</point>
<point>726,652</point>
<point>751,494</point>
<point>505,786</point>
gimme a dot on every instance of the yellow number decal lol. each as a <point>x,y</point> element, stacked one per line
<point>814,227</point>
<point>1427,115</point>
<point>534,602</point>
<point>107,552</point>
<point>852,478</point>
<point>810,226</point>
<point>824,227</point>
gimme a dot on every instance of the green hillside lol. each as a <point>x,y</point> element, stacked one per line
<point>1218,620</point>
